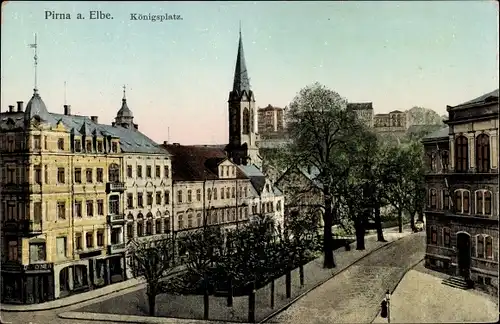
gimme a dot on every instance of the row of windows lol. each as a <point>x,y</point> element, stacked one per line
<point>38,252</point>
<point>90,145</point>
<point>483,248</point>
<point>17,175</point>
<point>227,170</point>
<point>149,171</point>
<point>461,202</point>
<point>149,199</point>
<point>17,211</point>
<point>439,160</point>
<point>267,207</point>
<point>482,153</point>
<point>149,227</point>
<point>225,193</point>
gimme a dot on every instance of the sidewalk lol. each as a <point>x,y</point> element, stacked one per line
<point>78,298</point>
<point>422,298</point>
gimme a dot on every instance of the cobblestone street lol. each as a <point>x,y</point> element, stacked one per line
<point>422,298</point>
<point>354,296</point>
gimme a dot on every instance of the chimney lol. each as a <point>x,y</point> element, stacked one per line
<point>67,110</point>
<point>165,143</point>
<point>136,126</point>
<point>113,124</point>
<point>20,106</point>
<point>11,108</point>
<point>177,144</point>
<point>94,119</point>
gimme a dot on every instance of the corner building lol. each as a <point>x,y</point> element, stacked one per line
<point>462,193</point>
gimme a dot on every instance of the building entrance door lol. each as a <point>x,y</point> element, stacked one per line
<point>464,257</point>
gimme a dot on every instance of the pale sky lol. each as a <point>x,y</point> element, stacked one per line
<point>179,72</point>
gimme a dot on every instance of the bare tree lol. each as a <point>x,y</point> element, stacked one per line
<point>201,257</point>
<point>152,260</point>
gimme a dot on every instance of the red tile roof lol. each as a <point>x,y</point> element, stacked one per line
<point>196,163</point>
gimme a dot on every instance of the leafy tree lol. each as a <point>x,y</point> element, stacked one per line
<point>153,261</point>
<point>404,175</point>
<point>424,116</point>
<point>321,128</point>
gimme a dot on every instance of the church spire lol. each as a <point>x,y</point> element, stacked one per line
<point>241,80</point>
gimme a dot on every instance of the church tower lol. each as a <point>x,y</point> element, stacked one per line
<point>243,137</point>
<point>124,117</point>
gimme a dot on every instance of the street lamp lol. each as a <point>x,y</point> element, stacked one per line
<point>388,298</point>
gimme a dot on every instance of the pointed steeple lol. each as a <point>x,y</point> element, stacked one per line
<point>241,80</point>
<point>124,110</point>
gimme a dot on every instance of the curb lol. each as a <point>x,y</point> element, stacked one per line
<point>39,307</point>
<point>135,319</point>
<point>284,307</point>
<point>397,284</point>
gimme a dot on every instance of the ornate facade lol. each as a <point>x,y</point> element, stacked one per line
<point>59,173</point>
<point>462,185</point>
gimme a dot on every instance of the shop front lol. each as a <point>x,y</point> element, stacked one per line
<point>27,284</point>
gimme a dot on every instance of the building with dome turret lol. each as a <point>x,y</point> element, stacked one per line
<point>72,192</point>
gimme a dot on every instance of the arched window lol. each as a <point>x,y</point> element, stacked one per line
<point>462,201</point>
<point>432,198</point>
<point>434,235</point>
<point>446,237</point>
<point>198,220</point>
<point>445,160</point>
<point>180,221</point>
<point>190,220</point>
<point>149,227</point>
<point>209,194</point>
<point>483,153</point>
<point>158,225</point>
<point>488,247</point>
<point>246,121</point>
<point>480,246</point>
<point>166,225</point>
<point>434,162</point>
<point>461,154</point>
<point>215,193</point>
<point>483,202</point>
<point>446,199</point>
<point>114,173</point>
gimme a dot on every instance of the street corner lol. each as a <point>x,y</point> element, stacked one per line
<point>422,298</point>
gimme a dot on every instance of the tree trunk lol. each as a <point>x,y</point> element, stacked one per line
<point>152,303</point>
<point>272,293</point>
<point>360,233</point>
<point>328,261</point>
<point>420,215</point>
<point>230,292</point>
<point>301,269</point>
<point>288,284</point>
<point>251,304</point>
<point>206,303</point>
<point>412,221</point>
<point>378,224</point>
<point>400,220</point>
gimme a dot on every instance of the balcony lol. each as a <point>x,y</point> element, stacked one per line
<point>116,219</point>
<point>117,248</point>
<point>115,187</point>
<point>23,227</point>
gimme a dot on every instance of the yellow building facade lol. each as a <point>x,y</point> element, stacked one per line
<point>60,183</point>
